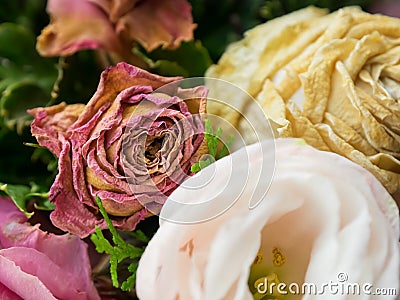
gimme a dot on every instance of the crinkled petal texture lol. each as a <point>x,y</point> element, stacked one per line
<point>113,25</point>
<point>155,23</point>
<point>76,25</point>
<point>53,121</point>
<point>332,79</point>
<point>131,145</point>
<point>323,215</point>
<point>37,265</point>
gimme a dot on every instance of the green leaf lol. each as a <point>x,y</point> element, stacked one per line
<point>16,100</point>
<point>118,252</point>
<point>101,243</point>
<point>168,68</point>
<point>225,149</point>
<point>208,127</point>
<point>195,168</point>
<point>130,281</point>
<point>204,163</point>
<point>18,194</point>
<point>32,14</point>
<point>191,59</point>
<point>214,142</point>
<point>22,164</point>
<point>22,194</point>
<point>26,79</point>
<point>138,235</point>
<point>17,41</point>
<point>43,203</point>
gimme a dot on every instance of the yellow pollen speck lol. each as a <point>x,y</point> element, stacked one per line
<point>279,259</point>
<point>258,259</point>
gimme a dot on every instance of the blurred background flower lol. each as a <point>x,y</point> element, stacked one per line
<point>114,26</point>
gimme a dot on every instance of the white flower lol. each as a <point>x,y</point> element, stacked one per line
<point>323,220</point>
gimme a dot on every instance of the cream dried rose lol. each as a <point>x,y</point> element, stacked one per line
<point>332,79</point>
<point>323,218</point>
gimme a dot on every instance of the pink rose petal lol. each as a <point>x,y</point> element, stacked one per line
<point>170,23</point>
<point>28,254</point>
<point>76,25</point>
<point>23,284</point>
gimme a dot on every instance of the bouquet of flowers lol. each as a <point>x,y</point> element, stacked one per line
<point>166,149</point>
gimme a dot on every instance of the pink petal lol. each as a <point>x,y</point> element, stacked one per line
<point>9,212</point>
<point>7,294</point>
<point>113,81</point>
<point>59,281</point>
<point>155,23</point>
<point>66,252</point>
<point>71,214</point>
<point>76,25</point>
<point>120,7</point>
<point>14,278</point>
<point>51,121</point>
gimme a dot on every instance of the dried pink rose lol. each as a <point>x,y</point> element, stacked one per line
<point>38,265</point>
<point>113,25</point>
<point>129,146</point>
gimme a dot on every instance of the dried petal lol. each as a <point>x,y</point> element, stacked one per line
<point>130,145</point>
<point>336,74</point>
<point>113,26</point>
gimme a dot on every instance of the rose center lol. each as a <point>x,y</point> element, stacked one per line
<point>153,146</point>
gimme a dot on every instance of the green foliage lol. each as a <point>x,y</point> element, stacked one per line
<point>275,8</point>
<point>31,14</point>
<point>223,22</point>
<point>26,79</point>
<point>22,164</point>
<point>80,77</point>
<point>191,59</point>
<point>214,142</point>
<point>118,252</point>
<point>17,193</point>
<point>22,194</point>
